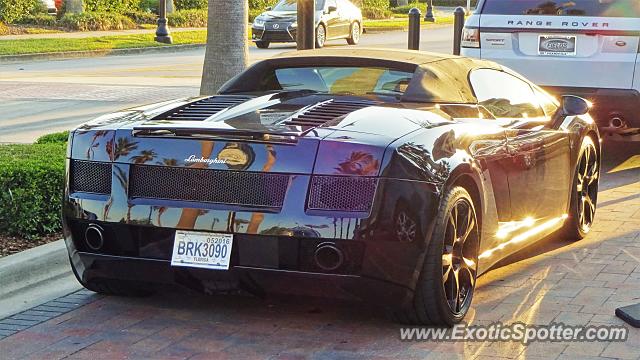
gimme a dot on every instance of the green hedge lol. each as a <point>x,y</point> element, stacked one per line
<point>261,4</point>
<point>14,10</point>
<point>32,181</point>
<point>94,21</point>
<point>117,6</point>
<point>188,18</point>
<point>190,4</point>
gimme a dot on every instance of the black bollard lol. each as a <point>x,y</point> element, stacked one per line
<point>306,32</point>
<point>162,32</point>
<point>414,29</point>
<point>458,25</point>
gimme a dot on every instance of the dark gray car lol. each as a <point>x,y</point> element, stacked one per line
<point>335,19</point>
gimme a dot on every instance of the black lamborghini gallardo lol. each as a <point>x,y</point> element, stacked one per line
<point>395,177</point>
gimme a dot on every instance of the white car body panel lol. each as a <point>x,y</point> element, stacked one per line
<point>601,43</point>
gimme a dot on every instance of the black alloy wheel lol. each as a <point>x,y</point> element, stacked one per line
<point>447,282</point>
<point>584,195</point>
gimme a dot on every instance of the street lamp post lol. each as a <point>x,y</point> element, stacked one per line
<point>162,33</point>
<point>428,16</point>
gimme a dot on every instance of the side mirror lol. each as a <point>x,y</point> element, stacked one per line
<point>331,9</point>
<point>570,106</point>
<point>269,8</point>
<point>574,105</point>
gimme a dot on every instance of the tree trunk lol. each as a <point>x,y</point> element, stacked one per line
<point>227,52</point>
<point>170,7</point>
<point>74,6</point>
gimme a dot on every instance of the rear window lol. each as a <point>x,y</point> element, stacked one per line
<point>339,80</point>
<point>602,8</point>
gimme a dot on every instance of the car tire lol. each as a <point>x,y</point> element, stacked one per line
<point>321,36</point>
<point>355,32</point>
<point>584,192</point>
<point>451,259</point>
<point>263,44</point>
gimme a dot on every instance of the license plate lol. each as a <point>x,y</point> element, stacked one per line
<point>557,45</point>
<point>202,250</point>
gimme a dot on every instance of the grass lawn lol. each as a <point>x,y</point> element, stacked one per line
<point>106,43</point>
<point>50,45</point>
<point>404,22</point>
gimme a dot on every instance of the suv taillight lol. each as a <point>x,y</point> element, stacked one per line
<point>470,38</point>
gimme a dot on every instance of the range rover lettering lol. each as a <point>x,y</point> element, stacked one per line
<point>565,46</point>
<point>394,177</point>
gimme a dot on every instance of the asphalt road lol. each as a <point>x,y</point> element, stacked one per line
<point>41,97</point>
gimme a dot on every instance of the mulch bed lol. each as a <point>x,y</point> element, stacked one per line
<point>10,244</point>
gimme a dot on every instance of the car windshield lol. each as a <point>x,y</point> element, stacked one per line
<point>339,80</point>
<point>603,8</point>
<point>291,5</point>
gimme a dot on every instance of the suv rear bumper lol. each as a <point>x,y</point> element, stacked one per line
<point>609,104</point>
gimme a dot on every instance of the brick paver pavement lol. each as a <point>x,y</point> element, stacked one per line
<point>577,283</point>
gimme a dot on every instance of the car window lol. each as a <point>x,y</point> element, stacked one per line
<point>339,80</point>
<point>332,3</point>
<point>292,5</point>
<point>603,8</point>
<point>504,95</point>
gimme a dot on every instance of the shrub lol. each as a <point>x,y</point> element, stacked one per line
<point>188,18</point>
<point>142,17</point>
<point>92,21</point>
<point>32,180</point>
<point>379,4</point>
<point>14,10</point>
<point>190,4</point>
<point>376,13</point>
<point>4,30</point>
<point>38,20</point>
<point>261,4</point>
<point>148,5</point>
<point>55,138</point>
<point>117,6</point>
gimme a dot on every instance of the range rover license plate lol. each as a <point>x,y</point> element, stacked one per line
<point>202,250</point>
<point>557,45</point>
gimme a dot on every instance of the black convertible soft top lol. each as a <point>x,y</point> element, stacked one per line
<point>438,78</point>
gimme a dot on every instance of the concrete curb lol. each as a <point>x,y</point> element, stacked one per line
<point>33,266</point>
<point>4,59</point>
<point>35,276</point>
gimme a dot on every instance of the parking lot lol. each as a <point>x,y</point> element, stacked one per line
<point>553,282</point>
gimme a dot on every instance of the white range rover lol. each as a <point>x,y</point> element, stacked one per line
<point>583,47</point>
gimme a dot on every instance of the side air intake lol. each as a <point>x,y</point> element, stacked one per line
<point>325,112</point>
<point>203,109</point>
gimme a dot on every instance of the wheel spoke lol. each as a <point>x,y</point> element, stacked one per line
<point>456,276</point>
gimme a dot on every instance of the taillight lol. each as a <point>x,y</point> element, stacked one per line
<point>342,193</point>
<point>470,38</point>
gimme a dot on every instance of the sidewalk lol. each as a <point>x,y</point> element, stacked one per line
<point>89,34</point>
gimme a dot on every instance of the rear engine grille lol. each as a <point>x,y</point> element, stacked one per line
<point>203,109</point>
<point>342,193</point>
<point>91,177</point>
<point>328,111</point>
<point>209,186</point>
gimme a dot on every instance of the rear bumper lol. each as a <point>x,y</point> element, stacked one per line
<point>608,104</point>
<point>260,264</point>
<point>90,267</point>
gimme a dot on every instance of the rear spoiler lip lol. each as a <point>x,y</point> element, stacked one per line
<point>250,135</point>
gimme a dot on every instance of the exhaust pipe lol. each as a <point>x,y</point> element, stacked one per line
<point>94,237</point>
<point>617,122</point>
<point>328,257</point>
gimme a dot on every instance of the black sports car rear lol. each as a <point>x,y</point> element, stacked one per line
<point>393,177</point>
